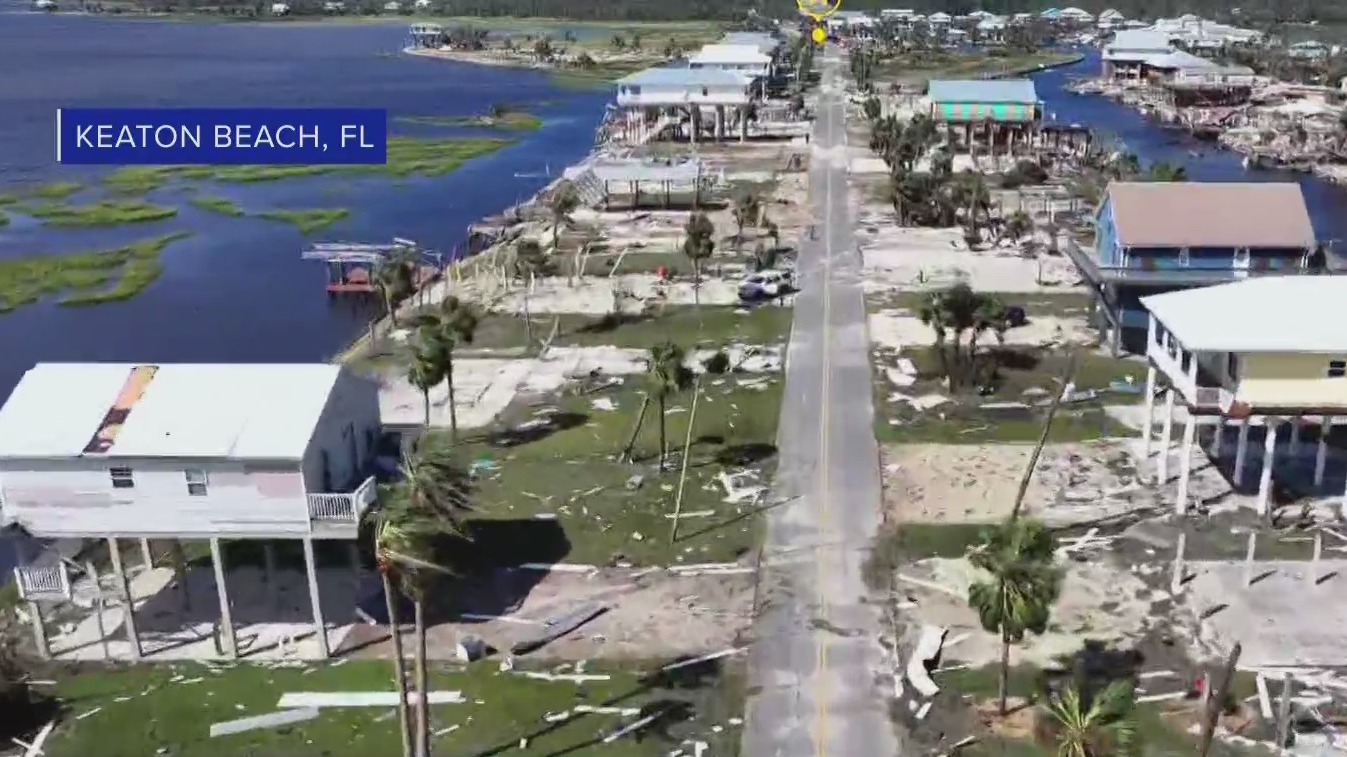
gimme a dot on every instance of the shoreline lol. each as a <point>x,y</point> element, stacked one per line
<point>1234,139</point>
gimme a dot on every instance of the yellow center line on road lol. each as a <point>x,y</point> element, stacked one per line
<point>821,688</point>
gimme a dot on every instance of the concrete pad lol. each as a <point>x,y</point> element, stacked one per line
<point>321,699</point>
<point>1281,620</point>
<point>267,617</point>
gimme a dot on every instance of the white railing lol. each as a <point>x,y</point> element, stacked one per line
<point>343,508</point>
<point>1208,396</point>
<point>1172,367</point>
<point>43,582</point>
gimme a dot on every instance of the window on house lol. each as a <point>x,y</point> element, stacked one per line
<point>196,482</point>
<point>122,478</point>
<point>1337,368</point>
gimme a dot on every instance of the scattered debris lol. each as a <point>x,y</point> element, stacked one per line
<point>559,627</point>
<point>269,720</point>
<point>320,699</point>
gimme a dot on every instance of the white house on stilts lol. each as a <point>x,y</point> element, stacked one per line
<point>278,456</point>
<point>652,100</point>
<point>1265,358</point>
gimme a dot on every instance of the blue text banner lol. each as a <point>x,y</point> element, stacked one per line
<point>221,136</point>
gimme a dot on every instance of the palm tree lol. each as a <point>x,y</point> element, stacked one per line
<point>1023,586</point>
<point>429,503</point>
<point>698,246</point>
<point>453,324</point>
<point>395,277</point>
<point>564,200</point>
<point>1016,225</point>
<point>666,376</point>
<point>426,370</point>
<point>960,310</point>
<point>1166,172</point>
<point>747,206</point>
<point>529,264</point>
<point>1092,726</point>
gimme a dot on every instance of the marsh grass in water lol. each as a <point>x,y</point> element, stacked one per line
<point>57,190</point>
<point>217,205</point>
<point>85,278</point>
<point>101,213</point>
<point>500,117</point>
<point>308,220</point>
<point>407,156</point>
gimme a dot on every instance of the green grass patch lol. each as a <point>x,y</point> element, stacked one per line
<point>217,205</point>
<point>85,278</point>
<point>162,713</point>
<point>4,219</point>
<point>308,220</point>
<point>1027,379</point>
<point>716,326</point>
<point>7,199</point>
<point>56,190</point>
<point>101,213</point>
<point>1036,305</point>
<point>407,156</point>
<point>571,472</point>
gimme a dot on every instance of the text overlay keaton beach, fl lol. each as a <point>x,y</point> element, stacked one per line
<point>221,136</point>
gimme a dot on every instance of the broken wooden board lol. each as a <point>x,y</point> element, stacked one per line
<point>269,720</point>
<point>555,629</point>
<point>322,699</point>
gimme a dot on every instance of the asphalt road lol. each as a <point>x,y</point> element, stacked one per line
<point>816,660</point>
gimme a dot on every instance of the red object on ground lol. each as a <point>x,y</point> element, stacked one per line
<point>662,272</point>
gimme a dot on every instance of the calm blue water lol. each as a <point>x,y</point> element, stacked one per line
<point>237,290</point>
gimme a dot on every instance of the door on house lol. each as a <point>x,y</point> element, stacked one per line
<point>1242,263</point>
<point>327,472</point>
<point>354,444</point>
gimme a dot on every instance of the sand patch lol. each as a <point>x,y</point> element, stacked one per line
<point>943,483</point>
<point>897,329</point>
<point>1098,601</point>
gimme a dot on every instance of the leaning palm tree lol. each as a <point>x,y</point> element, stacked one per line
<point>452,324</point>
<point>666,376</point>
<point>1085,724</point>
<point>395,278</point>
<point>1021,589</point>
<point>429,503</point>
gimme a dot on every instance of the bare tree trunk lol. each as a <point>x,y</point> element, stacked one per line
<point>399,663</point>
<point>635,431</point>
<point>453,406</point>
<point>422,684</point>
<point>661,432</point>
<point>1004,685</point>
<point>1028,476</point>
<point>425,403</point>
<point>528,317</point>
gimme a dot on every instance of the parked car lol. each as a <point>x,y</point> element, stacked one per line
<point>767,285</point>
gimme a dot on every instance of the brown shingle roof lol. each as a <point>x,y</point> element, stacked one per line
<point>1193,214</point>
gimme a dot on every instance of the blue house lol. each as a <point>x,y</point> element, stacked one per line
<point>1155,237</point>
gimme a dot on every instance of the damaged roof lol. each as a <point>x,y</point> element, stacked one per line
<point>1215,214</point>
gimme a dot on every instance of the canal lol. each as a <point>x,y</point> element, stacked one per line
<point>1327,202</point>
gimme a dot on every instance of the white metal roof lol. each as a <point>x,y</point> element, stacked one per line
<point>233,411</point>
<point>730,54</point>
<point>1264,314</point>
